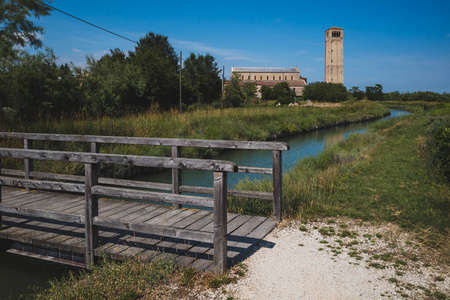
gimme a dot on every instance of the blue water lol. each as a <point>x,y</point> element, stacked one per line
<point>303,145</point>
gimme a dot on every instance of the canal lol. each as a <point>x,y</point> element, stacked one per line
<point>18,273</point>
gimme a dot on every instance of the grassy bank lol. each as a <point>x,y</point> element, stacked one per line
<point>259,124</point>
<point>134,279</point>
<point>385,174</point>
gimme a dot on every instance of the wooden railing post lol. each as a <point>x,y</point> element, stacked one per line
<point>91,211</point>
<point>176,175</point>
<point>277,185</point>
<point>0,193</point>
<point>28,144</point>
<point>220,222</point>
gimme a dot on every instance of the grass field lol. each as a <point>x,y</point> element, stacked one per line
<point>385,174</point>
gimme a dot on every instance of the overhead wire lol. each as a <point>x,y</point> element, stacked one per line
<point>89,23</point>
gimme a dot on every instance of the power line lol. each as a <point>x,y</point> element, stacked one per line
<point>79,19</point>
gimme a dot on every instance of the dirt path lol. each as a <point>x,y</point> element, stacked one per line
<point>338,259</point>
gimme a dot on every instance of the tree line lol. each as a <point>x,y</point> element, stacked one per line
<point>333,92</point>
<point>117,83</point>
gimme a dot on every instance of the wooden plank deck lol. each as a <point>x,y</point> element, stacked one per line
<point>65,241</point>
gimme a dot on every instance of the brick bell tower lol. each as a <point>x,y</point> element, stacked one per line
<point>334,55</point>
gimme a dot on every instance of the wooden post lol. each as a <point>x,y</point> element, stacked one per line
<point>277,186</point>
<point>91,211</point>
<point>28,144</point>
<point>176,175</point>
<point>95,147</point>
<point>220,222</point>
<point>0,193</point>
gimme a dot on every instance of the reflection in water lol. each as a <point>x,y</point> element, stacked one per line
<point>330,140</point>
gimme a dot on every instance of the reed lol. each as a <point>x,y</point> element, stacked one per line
<point>252,123</point>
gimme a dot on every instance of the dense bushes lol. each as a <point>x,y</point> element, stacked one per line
<point>325,92</point>
<point>439,146</point>
<point>417,96</point>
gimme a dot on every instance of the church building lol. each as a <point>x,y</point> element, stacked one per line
<point>271,76</point>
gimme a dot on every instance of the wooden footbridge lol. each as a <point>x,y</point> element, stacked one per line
<point>75,219</point>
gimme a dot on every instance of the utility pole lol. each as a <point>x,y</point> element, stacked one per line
<point>181,67</point>
<point>223,80</point>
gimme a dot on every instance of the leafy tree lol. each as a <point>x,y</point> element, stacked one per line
<point>325,92</point>
<point>233,93</point>
<point>266,93</point>
<point>201,80</point>
<point>282,93</point>
<point>374,92</point>
<point>357,93</point>
<point>35,84</point>
<point>249,89</point>
<point>16,28</point>
<point>111,85</point>
<point>156,64</point>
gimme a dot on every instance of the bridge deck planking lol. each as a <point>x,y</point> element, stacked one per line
<point>66,241</point>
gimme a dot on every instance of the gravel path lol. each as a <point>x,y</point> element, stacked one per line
<point>338,259</point>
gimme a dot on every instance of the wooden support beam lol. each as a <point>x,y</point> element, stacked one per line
<point>28,163</point>
<point>221,144</point>
<point>155,229</point>
<point>220,222</point>
<point>0,194</point>
<point>41,213</point>
<point>277,185</point>
<point>132,160</point>
<point>152,196</point>
<point>41,184</point>
<point>176,174</point>
<point>91,211</point>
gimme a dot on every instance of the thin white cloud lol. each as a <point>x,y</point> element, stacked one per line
<point>278,20</point>
<point>301,52</point>
<point>76,50</point>
<point>319,58</point>
<point>201,47</point>
<point>238,58</point>
<point>225,53</point>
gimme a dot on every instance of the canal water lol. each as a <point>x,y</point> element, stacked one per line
<point>17,273</point>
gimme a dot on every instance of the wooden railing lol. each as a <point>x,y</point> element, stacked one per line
<point>176,144</point>
<point>93,186</point>
<point>92,190</point>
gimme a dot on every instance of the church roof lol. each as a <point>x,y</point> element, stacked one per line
<point>334,27</point>
<point>263,70</point>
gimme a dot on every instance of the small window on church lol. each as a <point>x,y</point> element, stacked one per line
<point>248,77</point>
<point>273,77</point>
<point>260,77</point>
<point>255,77</point>
<point>242,77</point>
<point>279,77</point>
<point>292,77</point>
<point>267,78</point>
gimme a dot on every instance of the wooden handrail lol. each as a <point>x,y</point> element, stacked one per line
<point>92,189</point>
<point>223,144</point>
<point>176,144</point>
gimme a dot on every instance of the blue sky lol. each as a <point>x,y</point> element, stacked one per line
<point>402,45</point>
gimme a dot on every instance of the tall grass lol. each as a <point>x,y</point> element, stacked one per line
<point>258,123</point>
<point>380,175</point>
<point>131,279</point>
